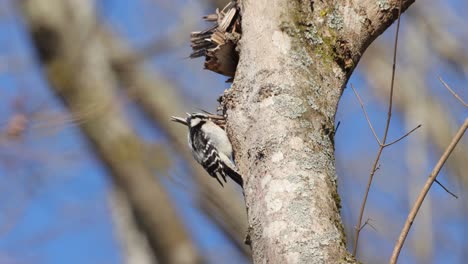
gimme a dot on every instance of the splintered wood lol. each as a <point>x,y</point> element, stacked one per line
<point>218,43</point>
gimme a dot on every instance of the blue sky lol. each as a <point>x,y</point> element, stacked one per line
<point>55,190</point>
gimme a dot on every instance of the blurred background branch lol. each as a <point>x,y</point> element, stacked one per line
<point>78,68</point>
<point>123,67</point>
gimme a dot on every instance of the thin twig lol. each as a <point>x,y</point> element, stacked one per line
<point>382,145</point>
<point>446,189</point>
<point>366,115</point>
<point>337,126</point>
<point>402,137</point>
<point>364,200</point>
<point>368,223</point>
<point>390,103</point>
<point>453,92</point>
<point>425,190</point>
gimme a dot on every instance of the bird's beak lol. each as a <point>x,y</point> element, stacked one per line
<point>212,116</point>
<point>179,120</point>
<point>215,117</point>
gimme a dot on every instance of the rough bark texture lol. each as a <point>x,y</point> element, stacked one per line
<point>295,60</point>
<point>78,67</point>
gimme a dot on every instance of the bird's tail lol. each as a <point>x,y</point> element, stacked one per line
<point>235,176</point>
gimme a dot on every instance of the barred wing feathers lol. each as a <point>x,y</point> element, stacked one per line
<point>216,164</point>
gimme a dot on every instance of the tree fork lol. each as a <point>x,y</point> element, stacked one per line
<point>295,60</point>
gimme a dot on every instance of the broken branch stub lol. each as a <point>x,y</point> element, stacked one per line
<point>218,43</point>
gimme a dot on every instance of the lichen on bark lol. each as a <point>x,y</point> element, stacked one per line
<point>295,60</point>
<point>286,110</point>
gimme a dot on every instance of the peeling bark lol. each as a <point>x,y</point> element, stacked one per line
<point>295,60</point>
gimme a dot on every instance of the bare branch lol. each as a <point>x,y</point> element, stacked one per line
<point>425,190</point>
<point>446,189</point>
<point>387,126</point>
<point>453,92</point>
<point>390,102</point>
<point>367,223</point>
<point>366,194</point>
<point>366,115</point>
<point>402,137</point>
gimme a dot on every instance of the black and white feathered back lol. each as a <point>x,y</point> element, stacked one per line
<point>211,148</point>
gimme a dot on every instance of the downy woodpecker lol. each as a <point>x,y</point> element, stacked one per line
<point>210,145</point>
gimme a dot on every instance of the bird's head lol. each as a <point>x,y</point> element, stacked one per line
<point>195,119</point>
<point>191,120</point>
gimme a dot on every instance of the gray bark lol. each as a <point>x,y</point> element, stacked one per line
<point>295,60</point>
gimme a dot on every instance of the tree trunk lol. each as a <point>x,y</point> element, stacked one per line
<point>295,60</point>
